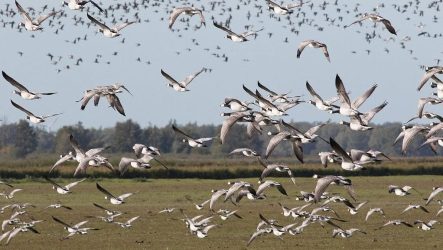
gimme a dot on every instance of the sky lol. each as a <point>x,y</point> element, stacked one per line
<point>267,58</point>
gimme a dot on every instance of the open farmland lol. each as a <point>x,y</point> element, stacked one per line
<point>168,231</point>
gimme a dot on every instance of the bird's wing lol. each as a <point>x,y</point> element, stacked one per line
<point>321,186</point>
<point>122,26</point>
<point>115,102</point>
<point>266,89</point>
<point>434,129</point>
<point>106,192</point>
<point>426,77</point>
<point>359,20</point>
<point>433,194</point>
<point>23,13</point>
<point>409,135</point>
<point>70,185</point>
<point>132,219</point>
<point>275,140</point>
<point>189,78</point>
<point>60,161</point>
<point>22,109</point>
<point>181,132</point>
<point>76,146</point>
<point>53,182</point>
<point>367,117</point>
<point>52,115</point>
<point>61,222</point>
<point>167,76</point>
<point>13,233</point>
<point>14,83</point>
<point>302,46</point>
<point>228,123</point>
<point>341,91</point>
<point>42,18</point>
<point>389,26</point>
<point>124,196</point>
<point>361,99</point>
<point>339,150</point>
<point>96,5</point>
<point>314,94</point>
<point>124,164</point>
<point>325,52</point>
<point>102,25</point>
<point>101,207</point>
<point>224,29</point>
<point>94,151</point>
<point>174,14</point>
<point>298,150</point>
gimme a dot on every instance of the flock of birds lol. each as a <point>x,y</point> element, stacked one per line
<point>263,112</point>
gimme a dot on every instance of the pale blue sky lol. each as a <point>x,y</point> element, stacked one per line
<point>268,60</point>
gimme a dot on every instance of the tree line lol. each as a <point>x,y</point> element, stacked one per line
<point>19,140</point>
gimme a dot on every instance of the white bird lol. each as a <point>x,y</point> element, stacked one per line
<point>374,210</point>
<point>29,23</point>
<point>190,11</point>
<point>22,90</point>
<point>214,197</point>
<point>376,18</point>
<point>128,223</point>
<point>426,226</point>
<point>116,200</point>
<point>242,37</point>
<point>11,194</point>
<point>268,168</point>
<point>283,9</point>
<point>63,189</point>
<point>396,223</point>
<point>182,85</point>
<point>347,162</point>
<point>323,183</point>
<point>30,116</point>
<point>108,211</point>
<point>348,108</point>
<point>400,191</point>
<point>125,162</point>
<point>109,32</point>
<point>318,102</point>
<point>267,184</point>
<point>245,151</point>
<point>313,44</point>
<point>200,142</point>
<point>80,4</point>
<point>409,207</point>
<point>345,233</point>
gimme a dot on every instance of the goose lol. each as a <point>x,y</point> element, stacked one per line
<point>63,189</point>
<point>63,158</point>
<point>427,115</point>
<point>324,209</point>
<point>409,207</point>
<point>347,108</point>
<point>305,196</point>
<point>337,198</point>
<point>268,168</point>
<point>376,18</point>
<point>11,194</point>
<point>277,230</point>
<point>361,122</point>
<point>430,72</point>
<point>323,183</point>
<point>400,191</point>
<point>195,143</point>
<point>318,102</point>
<point>182,85</point>
<point>167,210</point>
<point>308,136</point>
<point>59,205</point>
<point>115,200</point>
<point>235,105</point>
<point>80,153</point>
<point>30,24</point>
<point>190,11</point>
<point>22,90</point>
<point>313,44</point>
<point>434,193</point>
<point>362,157</point>
<point>75,229</point>
<point>109,218</point>
<point>396,223</point>
<point>245,151</point>
<point>128,223</point>
<point>268,184</point>
<point>108,211</point>
<point>283,9</point>
<point>80,4</point>
<point>438,84</point>
<point>125,162</point>
<point>242,37</point>
<point>299,229</point>
<point>347,162</point>
<point>226,214</point>
<point>13,232</point>
<point>109,32</point>
<point>374,210</point>
<point>269,108</point>
<point>345,233</point>
<point>285,136</point>
<point>31,117</point>
<point>426,226</point>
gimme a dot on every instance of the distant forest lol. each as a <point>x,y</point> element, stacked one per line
<point>19,140</point>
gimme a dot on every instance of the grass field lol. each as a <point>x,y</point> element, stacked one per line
<point>167,231</point>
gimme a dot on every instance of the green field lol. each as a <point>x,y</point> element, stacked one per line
<point>167,231</point>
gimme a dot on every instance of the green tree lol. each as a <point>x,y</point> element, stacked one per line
<point>25,139</point>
